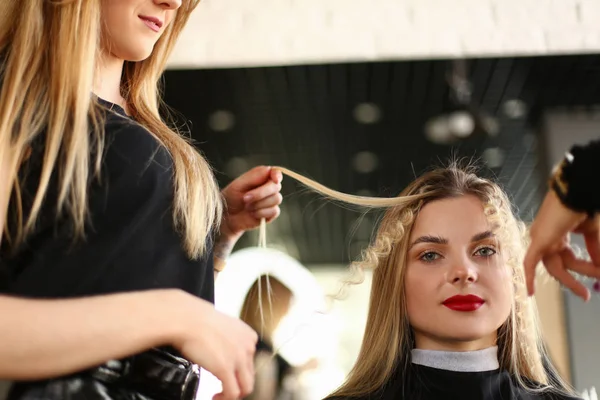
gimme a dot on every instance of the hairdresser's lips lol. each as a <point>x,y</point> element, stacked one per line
<point>151,22</point>
<point>466,303</point>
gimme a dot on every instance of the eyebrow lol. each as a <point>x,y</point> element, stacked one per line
<point>482,236</point>
<point>441,240</point>
<point>429,239</point>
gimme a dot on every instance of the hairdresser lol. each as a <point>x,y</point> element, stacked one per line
<point>113,223</point>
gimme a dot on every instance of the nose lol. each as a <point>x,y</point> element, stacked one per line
<point>462,271</point>
<point>169,4</point>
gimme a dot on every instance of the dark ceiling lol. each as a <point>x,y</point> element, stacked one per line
<point>301,117</point>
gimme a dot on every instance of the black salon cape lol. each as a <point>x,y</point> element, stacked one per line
<point>425,383</point>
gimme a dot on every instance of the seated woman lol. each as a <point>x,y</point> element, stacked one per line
<point>449,316</point>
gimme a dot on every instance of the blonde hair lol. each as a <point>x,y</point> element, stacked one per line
<point>387,340</point>
<point>265,305</point>
<point>50,51</point>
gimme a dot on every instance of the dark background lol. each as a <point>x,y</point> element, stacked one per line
<point>301,117</point>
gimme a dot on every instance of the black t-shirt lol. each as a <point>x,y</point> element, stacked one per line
<point>131,242</point>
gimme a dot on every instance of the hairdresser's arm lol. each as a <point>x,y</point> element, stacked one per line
<point>47,338</point>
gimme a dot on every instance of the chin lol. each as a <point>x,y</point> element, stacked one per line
<point>137,57</point>
<point>136,54</point>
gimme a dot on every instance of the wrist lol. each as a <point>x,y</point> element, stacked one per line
<point>223,247</point>
<point>226,235</point>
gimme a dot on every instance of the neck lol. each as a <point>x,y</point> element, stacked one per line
<point>460,361</point>
<point>108,80</point>
<point>429,342</point>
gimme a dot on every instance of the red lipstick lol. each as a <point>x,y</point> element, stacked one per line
<point>464,303</point>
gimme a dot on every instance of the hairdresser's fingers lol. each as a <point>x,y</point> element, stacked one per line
<point>268,202</point>
<point>552,223</point>
<point>250,362</point>
<point>257,176</point>
<point>269,214</point>
<point>245,375</point>
<point>276,175</point>
<point>231,389</point>
<point>262,192</point>
<point>555,267</point>
<point>582,267</point>
<point>531,261</point>
<point>534,257</point>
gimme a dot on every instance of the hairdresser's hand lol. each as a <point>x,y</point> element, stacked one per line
<point>550,243</point>
<point>220,344</point>
<point>249,198</point>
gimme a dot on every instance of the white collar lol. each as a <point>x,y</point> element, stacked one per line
<point>460,361</point>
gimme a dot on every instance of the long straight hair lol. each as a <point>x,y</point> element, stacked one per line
<point>388,338</point>
<point>50,51</point>
<point>265,306</point>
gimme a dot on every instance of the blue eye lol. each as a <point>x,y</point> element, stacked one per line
<point>430,256</point>
<point>485,252</point>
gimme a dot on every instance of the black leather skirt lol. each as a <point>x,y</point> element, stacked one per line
<point>153,375</point>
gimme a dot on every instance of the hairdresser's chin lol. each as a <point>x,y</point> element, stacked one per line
<point>135,48</point>
<point>133,28</point>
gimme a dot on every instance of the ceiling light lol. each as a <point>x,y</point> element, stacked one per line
<point>365,162</point>
<point>438,131</point>
<point>461,124</point>
<point>490,125</point>
<point>367,113</point>
<point>221,121</point>
<point>514,108</point>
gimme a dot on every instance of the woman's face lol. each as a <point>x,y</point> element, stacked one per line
<point>131,28</point>
<point>458,288</point>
